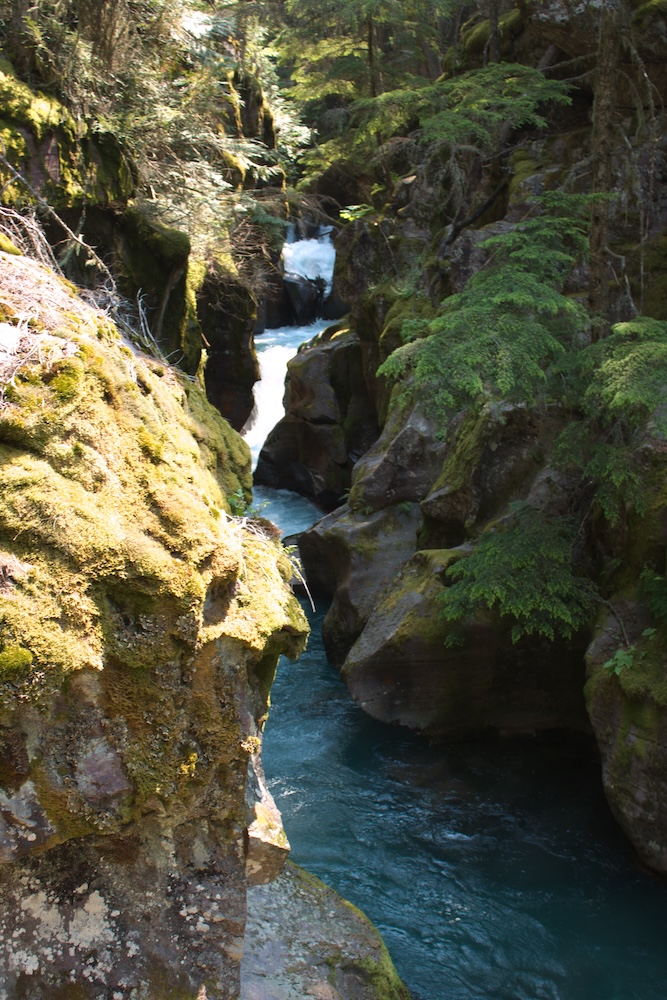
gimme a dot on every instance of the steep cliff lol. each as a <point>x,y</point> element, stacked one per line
<point>140,627</point>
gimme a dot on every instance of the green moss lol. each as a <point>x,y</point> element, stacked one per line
<point>643,11</point>
<point>35,110</point>
<point>150,445</point>
<point>7,246</point>
<point>168,245</point>
<point>404,320</point>
<point>119,564</point>
<point>476,37</point>
<point>647,677</point>
<point>463,457</point>
<point>63,160</point>
<point>68,381</point>
<point>15,662</point>
<point>522,166</point>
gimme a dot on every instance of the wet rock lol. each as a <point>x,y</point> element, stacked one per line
<point>306,296</point>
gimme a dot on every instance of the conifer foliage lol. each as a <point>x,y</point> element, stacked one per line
<point>501,336</point>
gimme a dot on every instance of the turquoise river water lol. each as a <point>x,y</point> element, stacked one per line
<point>494,871</point>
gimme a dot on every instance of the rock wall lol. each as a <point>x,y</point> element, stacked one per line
<point>140,627</point>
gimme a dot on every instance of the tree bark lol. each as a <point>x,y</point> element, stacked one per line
<point>374,73</point>
<point>21,52</point>
<point>494,31</point>
<point>604,111</point>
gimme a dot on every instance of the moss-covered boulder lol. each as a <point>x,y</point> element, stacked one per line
<point>60,158</point>
<point>491,458</point>
<point>140,628</point>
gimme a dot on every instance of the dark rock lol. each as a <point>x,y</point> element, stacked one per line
<point>353,556</point>
<point>403,463</point>
<point>227,311</point>
<point>400,670</point>
<point>306,296</point>
<point>629,716</point>
<point>329,422</point>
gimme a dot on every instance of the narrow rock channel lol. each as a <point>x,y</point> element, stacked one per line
<point>493,870</point>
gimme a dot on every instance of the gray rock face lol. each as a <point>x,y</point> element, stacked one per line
<point>329,422</point>
<point>402,464</point>
<point>267,846</point>
<point>361,555</point>
<point>303,940</point>
<point>400,669</point>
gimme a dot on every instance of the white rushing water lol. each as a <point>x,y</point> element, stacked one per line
<point>274,350</point>
<point>313,258</point>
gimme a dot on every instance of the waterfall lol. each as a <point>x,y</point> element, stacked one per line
<point>312,258</point>
<point>274,350</point>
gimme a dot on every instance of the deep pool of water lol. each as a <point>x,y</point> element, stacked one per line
<point>493,871</point>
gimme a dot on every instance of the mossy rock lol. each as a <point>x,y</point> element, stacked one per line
<point>42,140</point>
<point>414,309</point>
<point>154,259</point>
<point>475,37</point>
<point>121,570</point>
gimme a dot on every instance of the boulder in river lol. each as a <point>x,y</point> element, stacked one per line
<point>401,670</point>
<point>303,940</point>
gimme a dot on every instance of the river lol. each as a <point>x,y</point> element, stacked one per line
<point>493,870</point>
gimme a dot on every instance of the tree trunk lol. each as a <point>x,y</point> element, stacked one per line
<point>21,51</point>
<point>494,31</point>
<point>374,73</point>
<point>604,108</point>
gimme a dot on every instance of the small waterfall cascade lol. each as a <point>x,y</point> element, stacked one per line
<point>310,258</point>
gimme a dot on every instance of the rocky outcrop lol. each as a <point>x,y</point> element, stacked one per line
<point>353,556</point>
<point>303,940</point>
<point>402,464</point>
<point>329,422</point>
<point>45,144</point>
<point>227,310</point>
<point>627,705</point>
<point>402,670</point>
<point>140,628</point>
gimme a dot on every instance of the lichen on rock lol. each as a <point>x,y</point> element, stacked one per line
<point>139,623</point>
